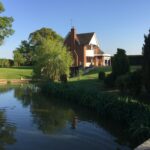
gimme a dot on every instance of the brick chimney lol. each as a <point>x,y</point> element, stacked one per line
<point>73,46</point>
<point>73,36</point>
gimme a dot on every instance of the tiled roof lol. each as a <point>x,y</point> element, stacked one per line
<point>85,38</point>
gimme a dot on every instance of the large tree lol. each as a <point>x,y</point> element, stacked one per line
<point>26,51</point>
<point>37,37</point>
<point>52,60</point>
<point>5,25</point>
<point>18,58</point>
<point>120,63</point>
<point>146,61</point>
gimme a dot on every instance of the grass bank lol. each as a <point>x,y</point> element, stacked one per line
<point>16,73</point>
<point>90,79</point>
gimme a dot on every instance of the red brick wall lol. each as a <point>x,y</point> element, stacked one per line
<point>79,51</point>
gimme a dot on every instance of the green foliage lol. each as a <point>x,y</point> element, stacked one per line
<point>5,25</point>
<point>26,51</point>
<point>130,83</point>
<point>39,36</point>
<point>132,115</point>
<point>80,73</point>
<point>101,75</point>
<point>135,60</point>
<point>5,63</point>
<point>52,60</point>
<point>63,78</point>
<point>110,80</point>
<point>120,63</point>
<point>18,58</point>
<point>146,61</point>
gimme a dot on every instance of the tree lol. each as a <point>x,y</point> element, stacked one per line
<point>18,58</point>
<point>120,63</point>
<point>26,51</point>
<point>37,37</point>
<point>146,61</point>
<point>52,60</point>
<point>5,25</point>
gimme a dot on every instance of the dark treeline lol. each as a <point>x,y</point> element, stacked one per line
<point>135,60</point>
<point>5,63</point>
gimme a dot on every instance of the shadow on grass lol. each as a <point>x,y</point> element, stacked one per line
<point>93,84</point>
<point>97,70</point>
<point>22,67</point>
<point>25,76</point>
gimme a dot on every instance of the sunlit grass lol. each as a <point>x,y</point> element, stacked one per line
<point>16,73</point>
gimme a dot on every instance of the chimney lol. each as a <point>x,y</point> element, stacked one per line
<point>73,36</point>
<point>73,47</point>
<point>73,33</point>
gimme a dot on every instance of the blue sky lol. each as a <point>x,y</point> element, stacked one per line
<point>117,23</point>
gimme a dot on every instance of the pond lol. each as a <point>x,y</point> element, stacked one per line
<point>28,121</point>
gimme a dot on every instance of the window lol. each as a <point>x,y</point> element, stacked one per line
<point>89,59</point>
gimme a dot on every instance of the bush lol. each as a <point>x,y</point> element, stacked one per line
<point>63,78</point>
<point>123,82</point>
<point>110,80</point>
<point>130,83</point>
<point>101,75</point>
<point>120,63</point>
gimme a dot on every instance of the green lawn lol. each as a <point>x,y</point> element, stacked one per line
<point>16,73</point>
<point>93,74</point>
<point>26,72</point>
<point>90,80</point>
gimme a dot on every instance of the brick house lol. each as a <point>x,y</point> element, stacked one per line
<point>85,49</point>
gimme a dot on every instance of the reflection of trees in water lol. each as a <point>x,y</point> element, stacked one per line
<point>23,94</point>
<point>4,89</point>
<point>48,117</point>
<point>6,131</point>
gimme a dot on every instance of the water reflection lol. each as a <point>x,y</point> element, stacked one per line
<point>48,117</point>
<point>6,131</point>
<point>46,122</point>
<point>74,122</point>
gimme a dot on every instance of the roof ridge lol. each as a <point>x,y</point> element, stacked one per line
<point>86,33</point>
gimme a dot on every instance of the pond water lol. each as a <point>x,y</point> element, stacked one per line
<point>30,121</point>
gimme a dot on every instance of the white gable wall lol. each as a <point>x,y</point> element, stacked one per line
<point>94,41</point>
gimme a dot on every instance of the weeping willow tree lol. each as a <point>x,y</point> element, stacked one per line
<point>51,60</point>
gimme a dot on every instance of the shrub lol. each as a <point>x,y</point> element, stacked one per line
<point>63,78</point>
<point>130,83</point>
<point>101,75</point>
<point>110,80</point>
<point>120,63</point>
<point>123,82</point>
